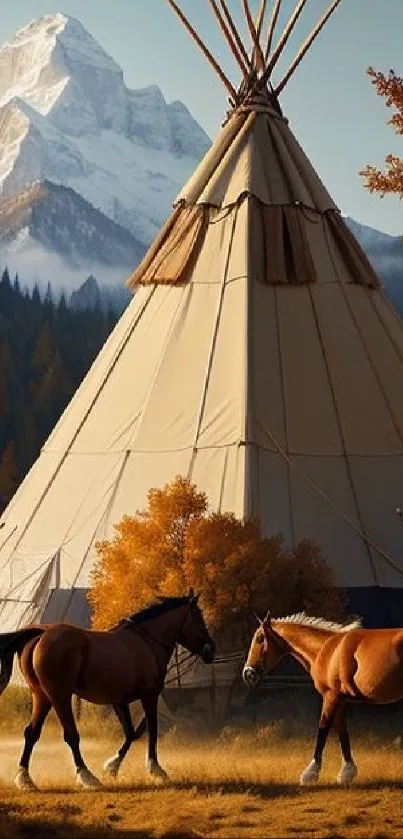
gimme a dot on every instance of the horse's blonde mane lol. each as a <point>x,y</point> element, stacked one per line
<point>302,619</point>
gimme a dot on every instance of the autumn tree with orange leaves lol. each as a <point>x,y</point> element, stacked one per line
<point>176,544</point>
<point>390,179</point>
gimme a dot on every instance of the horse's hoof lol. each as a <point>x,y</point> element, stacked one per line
<point>156,771</point>
<point>310,775</point>
<point>24,781</point>
<point>112,766</point>
<point>86,779</point>
<point>347,773</point>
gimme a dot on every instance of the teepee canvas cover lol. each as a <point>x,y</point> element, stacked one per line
<point>259,357</point>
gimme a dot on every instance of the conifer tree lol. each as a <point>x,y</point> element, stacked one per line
<point>5,278</point>
<point>8,474</point>
<point>45,350</point>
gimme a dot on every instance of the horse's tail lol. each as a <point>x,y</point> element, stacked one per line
<point>11,643</point>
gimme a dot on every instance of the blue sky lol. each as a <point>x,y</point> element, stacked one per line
<point>331,105</point>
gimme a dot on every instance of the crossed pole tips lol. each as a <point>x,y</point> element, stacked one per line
<point>257,67</point>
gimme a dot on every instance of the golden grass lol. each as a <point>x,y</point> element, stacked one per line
<point>237,785</point>
<point>15,706</point>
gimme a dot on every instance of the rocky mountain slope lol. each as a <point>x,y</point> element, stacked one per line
<point>58,219</point>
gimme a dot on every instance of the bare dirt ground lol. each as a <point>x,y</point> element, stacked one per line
<point>238,786</point>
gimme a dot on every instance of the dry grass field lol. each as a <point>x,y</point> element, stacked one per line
<point>240,783</point>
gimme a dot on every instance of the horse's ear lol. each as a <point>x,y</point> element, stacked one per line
<point>267,620</point>
<point>259,620</point>
<point>192,595</point>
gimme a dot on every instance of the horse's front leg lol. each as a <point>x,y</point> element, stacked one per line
<point>311,773</point>
<point>131,734</point>
<point>348,769</point>
<point>150,705</point>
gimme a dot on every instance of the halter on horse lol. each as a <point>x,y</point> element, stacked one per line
<point>346,663</point>
<point>108,668</point>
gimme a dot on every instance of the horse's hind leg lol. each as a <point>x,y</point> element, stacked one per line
<point>40,709</point>
<point>122,712</point>
<point>63,707</point>
<point>348,769</point>
<point>330,702</point>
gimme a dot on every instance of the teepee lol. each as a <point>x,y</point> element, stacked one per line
<point>259,357</point>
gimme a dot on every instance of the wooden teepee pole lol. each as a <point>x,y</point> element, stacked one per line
<point>206,52</point>
<point>258,26</point>
<point>283,40</point>
<point>235,33</point>
<point>257,50</point>
<point>230,40</point>
<point>260,18</point>
<point>305,46</point>
<point>272,26</point>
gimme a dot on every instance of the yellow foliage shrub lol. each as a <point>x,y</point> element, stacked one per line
<point>176,544</point>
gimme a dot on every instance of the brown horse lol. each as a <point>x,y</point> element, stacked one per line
<point>346,663</point>
<point>114,668</point>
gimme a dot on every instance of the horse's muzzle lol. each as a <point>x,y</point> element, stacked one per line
<point>252,676</point>
<point>208,653</point>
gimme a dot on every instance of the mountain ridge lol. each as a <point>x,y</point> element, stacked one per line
<point>54,219</point>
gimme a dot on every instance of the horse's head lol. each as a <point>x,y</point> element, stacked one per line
<point>194,634</point>
<point>265,651</point>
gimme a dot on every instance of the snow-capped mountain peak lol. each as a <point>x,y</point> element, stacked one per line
<point>24,64</point>
<point>67,116</point>
<point>59,69</point>
<point>56,66</point>
<point>44,56</point>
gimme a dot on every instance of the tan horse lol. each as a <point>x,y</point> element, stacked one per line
<point>108,668</point>
<point>346,663</point>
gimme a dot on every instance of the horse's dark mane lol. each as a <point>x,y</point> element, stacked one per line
<point>157,607</point>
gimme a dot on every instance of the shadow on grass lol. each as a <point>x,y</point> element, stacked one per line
<point>15,825</point>
<point>257,789</point>
<point>16,822</point>
<point>260,789</point>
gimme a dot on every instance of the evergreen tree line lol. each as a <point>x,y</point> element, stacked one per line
<point>46,349</point>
